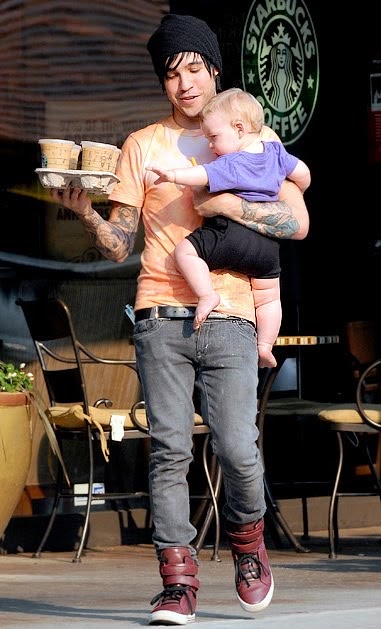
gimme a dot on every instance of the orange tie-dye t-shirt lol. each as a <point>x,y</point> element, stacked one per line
<point>168,216</point>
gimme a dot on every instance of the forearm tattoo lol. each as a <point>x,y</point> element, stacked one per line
<point>269,218</point>
<point>115,238</point>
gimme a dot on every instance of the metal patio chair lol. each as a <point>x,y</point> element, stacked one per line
<point>357,427</point>
<point>63,360</point>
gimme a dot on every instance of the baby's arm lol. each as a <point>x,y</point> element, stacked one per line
<point>301,175</point>
<point>191,176</point>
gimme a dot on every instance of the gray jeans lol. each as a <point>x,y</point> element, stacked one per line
<point>220,362</point>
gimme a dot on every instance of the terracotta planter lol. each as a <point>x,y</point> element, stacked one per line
<point>15,452</point>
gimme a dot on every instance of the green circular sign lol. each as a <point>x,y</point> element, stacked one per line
<point>280,64</point>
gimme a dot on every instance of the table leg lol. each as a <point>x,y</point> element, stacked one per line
<point>272,504</point>
<point>277,515</point>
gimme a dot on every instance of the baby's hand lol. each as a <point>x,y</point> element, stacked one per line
<point>164,175</point>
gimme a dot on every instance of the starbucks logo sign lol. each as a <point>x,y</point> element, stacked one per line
<point>280,64</point>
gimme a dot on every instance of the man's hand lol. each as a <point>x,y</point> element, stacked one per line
<point>74,199</point>
<point>207,204</point>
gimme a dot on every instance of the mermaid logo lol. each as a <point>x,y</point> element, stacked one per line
<point>280,64</point>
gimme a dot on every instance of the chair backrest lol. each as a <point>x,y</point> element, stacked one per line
<point>361,340</point>
<point>373,368</point>
<point>52,331</point>
<point>363,346</point>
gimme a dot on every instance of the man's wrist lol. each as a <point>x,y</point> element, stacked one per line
<point>91,218</point>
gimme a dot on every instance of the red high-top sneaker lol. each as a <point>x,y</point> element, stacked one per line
<point>176,604</point>
<point>253,577</point>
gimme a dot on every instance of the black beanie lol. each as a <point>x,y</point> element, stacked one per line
<point>182,33</point>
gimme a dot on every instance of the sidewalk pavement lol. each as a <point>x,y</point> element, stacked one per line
<point>113,586</point>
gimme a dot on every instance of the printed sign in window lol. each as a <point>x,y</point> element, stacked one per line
<point>375,118</point>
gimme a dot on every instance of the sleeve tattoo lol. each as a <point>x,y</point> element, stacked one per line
<point>274,219</point>
<point>115,238</point>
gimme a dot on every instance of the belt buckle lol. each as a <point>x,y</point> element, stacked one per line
<point>173,312</point>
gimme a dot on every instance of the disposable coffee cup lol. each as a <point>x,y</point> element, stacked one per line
<point>97,156</point>
<point>55,153</point>
<point>115,159</point>
<point>74,156</point>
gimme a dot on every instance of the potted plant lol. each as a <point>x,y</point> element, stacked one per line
<point>15,380</point>
<point>15,437</point>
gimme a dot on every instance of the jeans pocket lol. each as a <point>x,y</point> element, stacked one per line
<point>246,328</point>
<point>146,327</point>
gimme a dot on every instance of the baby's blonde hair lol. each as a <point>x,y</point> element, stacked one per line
<point>235,104</point>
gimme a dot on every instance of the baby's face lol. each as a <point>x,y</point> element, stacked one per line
<point>222,135</point>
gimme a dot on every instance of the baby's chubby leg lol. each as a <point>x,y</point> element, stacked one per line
<point>196,272</point>
<point>268,311</point>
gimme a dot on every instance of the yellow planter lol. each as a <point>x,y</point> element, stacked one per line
<point>15,452</point>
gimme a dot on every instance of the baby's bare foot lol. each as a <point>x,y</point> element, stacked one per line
<point>265,356</point>
<point>205,305</point>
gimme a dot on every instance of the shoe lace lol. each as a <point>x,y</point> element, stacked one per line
<point>250,567</point>
<point>173,593</point>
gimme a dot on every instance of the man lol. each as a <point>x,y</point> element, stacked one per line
<point>219,361</point>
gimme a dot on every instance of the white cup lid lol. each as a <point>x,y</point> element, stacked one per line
<point>47,140</point>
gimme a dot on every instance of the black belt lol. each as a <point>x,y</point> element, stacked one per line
<point>175,312</point>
